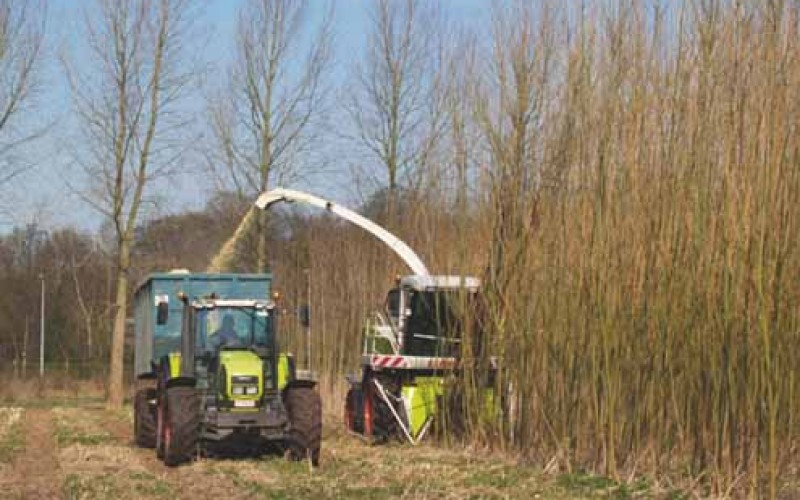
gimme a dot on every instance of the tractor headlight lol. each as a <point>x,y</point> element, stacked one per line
<point>238,390</point>
<point>253,389</point>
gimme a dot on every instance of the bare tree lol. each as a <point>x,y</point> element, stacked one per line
<point>21,36</point>
<point>509,110</point>
<point>126,96</point>
<point>395,104</point>
<point>262,123</point>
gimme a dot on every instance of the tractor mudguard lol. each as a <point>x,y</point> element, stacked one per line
<point>300,383</point>
<point>170,375</point>
<point>181,382</point>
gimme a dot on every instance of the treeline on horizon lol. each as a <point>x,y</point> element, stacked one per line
<point>625,179</point>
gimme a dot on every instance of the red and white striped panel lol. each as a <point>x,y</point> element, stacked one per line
<point>390,361</point>
<point>397,362</point>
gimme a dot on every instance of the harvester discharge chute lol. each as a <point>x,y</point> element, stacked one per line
<point>411,349</point>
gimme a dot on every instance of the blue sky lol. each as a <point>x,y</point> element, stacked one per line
<point>48,192</point>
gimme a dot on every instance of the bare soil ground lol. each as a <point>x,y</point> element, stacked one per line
<point>34,471</point>
<point>84,451</point>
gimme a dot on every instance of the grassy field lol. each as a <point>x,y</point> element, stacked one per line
<point>79,450</point>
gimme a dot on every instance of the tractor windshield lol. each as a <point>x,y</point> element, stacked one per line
<point>234,327</point>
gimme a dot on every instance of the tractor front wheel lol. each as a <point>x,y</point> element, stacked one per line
<point>144,418</point>
<point>305,417</point>
<point>181,422</point>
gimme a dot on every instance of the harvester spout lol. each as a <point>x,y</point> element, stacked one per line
<point>412,260</point>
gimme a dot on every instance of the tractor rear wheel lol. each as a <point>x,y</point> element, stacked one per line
<point>305,419</point>
<point>144,418</point>
<point>181,425</point>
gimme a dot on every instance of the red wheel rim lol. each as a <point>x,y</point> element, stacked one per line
<point>368,409</point>
<point>167,436</point>
<point>160,424</point>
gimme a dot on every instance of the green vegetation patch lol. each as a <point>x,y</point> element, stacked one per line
<point>12,439</point>
<point>79,427</point>
<point>146,484</point>
<point>66,436</point>
<point>11,443</point>
<point>82,487</point>
<point>121,484</point>
<point>601,486</point>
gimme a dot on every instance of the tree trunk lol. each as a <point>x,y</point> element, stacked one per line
<point>115,376</point>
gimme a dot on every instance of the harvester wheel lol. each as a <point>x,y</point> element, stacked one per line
<point>305,416</point>
<point>144,418</point>
<point>354,411</point>
<point>384,425</point>
<point>181,425</point>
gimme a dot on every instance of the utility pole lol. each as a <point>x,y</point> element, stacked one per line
<point>41,331</point>
<point>307,272</point>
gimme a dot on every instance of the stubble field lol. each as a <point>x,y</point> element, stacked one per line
<point>74,448</point>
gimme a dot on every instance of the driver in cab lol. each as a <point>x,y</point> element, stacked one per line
<point>226,335</point>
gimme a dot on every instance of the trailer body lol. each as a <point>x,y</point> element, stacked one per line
<point>153,340</point>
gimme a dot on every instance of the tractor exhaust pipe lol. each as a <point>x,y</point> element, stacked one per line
<point>187,340</point>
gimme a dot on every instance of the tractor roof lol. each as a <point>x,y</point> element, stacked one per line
<point>242,303</point>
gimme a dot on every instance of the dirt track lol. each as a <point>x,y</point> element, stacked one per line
<point>35,473</point>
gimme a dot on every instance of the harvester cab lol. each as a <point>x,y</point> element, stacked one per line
<point>425,316</point>
<point>217,378</point>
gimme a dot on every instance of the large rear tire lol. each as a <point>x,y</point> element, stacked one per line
<point>181,425</point>
<point>144,418</point>
<point>304,437</point>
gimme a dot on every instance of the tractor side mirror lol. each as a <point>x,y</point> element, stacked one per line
<point>162,313</point>
<point>304,314</point>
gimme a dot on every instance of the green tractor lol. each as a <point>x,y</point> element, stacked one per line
<point>210,374</point>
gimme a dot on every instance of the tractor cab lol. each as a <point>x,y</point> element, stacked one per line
<point>236,356</point>
<point>426,313</point>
